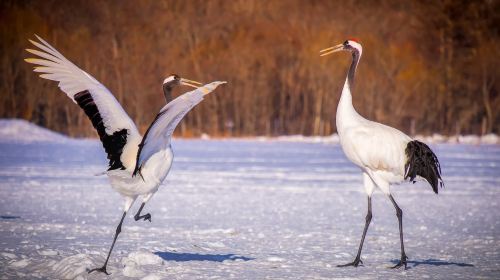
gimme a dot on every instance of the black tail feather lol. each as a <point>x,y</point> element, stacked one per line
<point>422,162</point>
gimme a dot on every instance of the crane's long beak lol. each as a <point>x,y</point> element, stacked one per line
<point>331,50</point>
<point>190,83</point>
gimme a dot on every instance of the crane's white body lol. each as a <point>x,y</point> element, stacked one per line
<point>378,150</point>
<point>384,154</point>
<point>156,155</point>
<point>155,170</point>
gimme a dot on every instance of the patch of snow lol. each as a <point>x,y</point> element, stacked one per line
<point>216,244</point>
<point>8,255</point>
<point>469,139</point>
<point>204,136</point>
<point>490,139</point>
<point>152,277</point>
<point>72,267</point>
<point>22,131</point>
<point>453,139</point>
<point>135,260</point>
<point>131,270</point>
<point>48,253</point>
<point>275,259</point>
<point>142,258</point>
<point>20,264</point>
<point>331,139</point>
<point>231,231</point>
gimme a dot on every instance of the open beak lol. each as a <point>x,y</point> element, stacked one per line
<point>190,83</point>
<point>331,50</point>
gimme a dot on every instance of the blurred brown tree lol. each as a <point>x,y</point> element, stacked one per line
<point>427,66</point>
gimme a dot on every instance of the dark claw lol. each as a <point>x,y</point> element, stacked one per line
<point>144,217</point>
<point>355,263</point>
<point>102,269</point>
<point>402,262</point>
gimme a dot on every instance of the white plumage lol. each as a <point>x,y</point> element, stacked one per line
<point>384,154</point>
<point>73,80</point>
<point>160,132</point>
<point>128,152</point>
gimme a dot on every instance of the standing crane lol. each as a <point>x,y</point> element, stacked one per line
<point>137,165</point>
<point>384,154</point>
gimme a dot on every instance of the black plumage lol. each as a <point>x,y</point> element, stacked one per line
<point>113,144</point>
<point>422,162</point>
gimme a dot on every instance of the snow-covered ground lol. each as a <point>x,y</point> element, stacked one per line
<point>242,209</point>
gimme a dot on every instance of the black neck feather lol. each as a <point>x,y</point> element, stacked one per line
<point>167,92</point>
<point>352,69</point>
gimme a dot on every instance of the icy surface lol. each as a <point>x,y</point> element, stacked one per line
<point>241,209</point>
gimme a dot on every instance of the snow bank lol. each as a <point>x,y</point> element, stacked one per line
<point>72,267</point>
<point>142,258</point>
<point>331,139</point>
<point>135,260</point>
<point>17,130</point>
<point>488,139</point>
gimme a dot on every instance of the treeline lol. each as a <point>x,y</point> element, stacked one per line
<point>427,66</point>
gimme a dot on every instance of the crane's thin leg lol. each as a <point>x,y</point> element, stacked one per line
<point>357,260</point>
<point>138,216</point>
<point>399,214</point>
<point>118,230</point>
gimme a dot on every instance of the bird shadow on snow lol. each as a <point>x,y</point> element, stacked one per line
<point>432,262</point>
<point>186,257</point>
<point>9,217</point>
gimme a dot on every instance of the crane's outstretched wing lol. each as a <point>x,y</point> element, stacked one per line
<point>160,131</point>
<point>112,123</point>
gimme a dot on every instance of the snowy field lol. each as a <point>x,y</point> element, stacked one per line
<point>241,209</point>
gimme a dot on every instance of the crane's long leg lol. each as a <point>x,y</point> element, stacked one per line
<point>118,230</point>
<point>399,214</point>
<point>138,216</point>
<point>357,260</point>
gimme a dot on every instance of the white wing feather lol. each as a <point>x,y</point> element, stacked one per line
<point>159,134</point>
<point>72,80</point>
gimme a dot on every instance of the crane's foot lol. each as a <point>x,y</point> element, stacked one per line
<point>102,269</point>
<point>144,217</point>
<point>355,263</point>
<point>402,262</point>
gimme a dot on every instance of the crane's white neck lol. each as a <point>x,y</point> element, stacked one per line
<point>346,114</point>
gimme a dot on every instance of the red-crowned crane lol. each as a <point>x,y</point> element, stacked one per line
<point>137,165</point>
<point>384,154</point>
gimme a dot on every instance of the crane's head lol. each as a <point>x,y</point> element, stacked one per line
<point>174,80</point>
<point>350,45</point>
